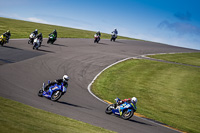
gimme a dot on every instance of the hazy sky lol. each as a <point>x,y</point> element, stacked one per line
<point>174,22</point>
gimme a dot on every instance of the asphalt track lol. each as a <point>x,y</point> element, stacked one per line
<point>23,70</point>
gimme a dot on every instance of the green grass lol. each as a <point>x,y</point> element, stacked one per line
<point>17,118</point>
<point>22,29</point>
<point>186,58</point>
<point>168,93</point>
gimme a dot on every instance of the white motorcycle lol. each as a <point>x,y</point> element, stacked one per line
<point>36,43</point>
<point>31,38</point>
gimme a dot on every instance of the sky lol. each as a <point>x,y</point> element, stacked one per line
<point>173,22</point>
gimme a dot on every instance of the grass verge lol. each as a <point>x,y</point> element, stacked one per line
<point>16,117</point>
<point>22,29</point>
<point>185,58</point>
<point>168,93</point>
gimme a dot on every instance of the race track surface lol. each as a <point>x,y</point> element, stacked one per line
<point>23,70</point>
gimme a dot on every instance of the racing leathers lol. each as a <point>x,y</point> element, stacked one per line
<point>39,36</point>
<point>35,32</point>
<point>54,33</point>
<point>7,35</point>
<point>58,81</point>
<point>117,105</point>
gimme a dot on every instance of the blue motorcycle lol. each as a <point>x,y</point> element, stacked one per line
<point>53,91</point>
<point>127,109</point>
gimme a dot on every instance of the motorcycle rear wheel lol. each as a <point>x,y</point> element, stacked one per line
<point>40,93</point>
<point>127,115</point>
<point>109,109</point>
<point>56,96</point>
<point>48,41</point>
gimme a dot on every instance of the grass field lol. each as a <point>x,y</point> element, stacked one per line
<point>185,58</point>
<point>19,118</point>
<point>22,29</point>
<point>168,93</point>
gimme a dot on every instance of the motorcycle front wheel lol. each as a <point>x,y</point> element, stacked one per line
<point>109,109</point>
<point>29,41</point>
<point>127,115</point>
<point>56,95</point>
<point>1,43</point>
<point>48,41</point>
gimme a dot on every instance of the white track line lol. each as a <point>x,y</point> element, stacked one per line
<point>89,86</point>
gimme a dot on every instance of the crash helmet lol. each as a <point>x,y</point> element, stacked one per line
<point>36,30</point>
<point>65,78</point>
<point>134,99</point>
<point>54,30</point>
<point>8,31</point>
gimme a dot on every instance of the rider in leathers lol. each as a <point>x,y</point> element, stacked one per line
<point>64,80</point>
<point>54,33</point>
<point>132,100</point>
<point>39,36</point>
<point>7,35</point>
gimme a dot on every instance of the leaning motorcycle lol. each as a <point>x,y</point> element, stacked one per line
<point>2,40</point>
<point>53,91</point>
<point>127,110</point>
<point>31,38</point>
<point>51,39</point>
<point>96,38</point>
<point>36,43</point>
<point>113,37</point>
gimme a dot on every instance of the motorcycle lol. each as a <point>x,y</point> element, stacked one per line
<point>51,39</point>
<point>96,38</point>
<point>52,91</point>
<point>113,37</point>
<point>31,38</point>
<point>127,109</point>
<point>3,40</point>
<point>36,43</point>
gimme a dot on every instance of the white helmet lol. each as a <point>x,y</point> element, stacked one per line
<point>65,78</point>
<point>134,99</point>
<point>35,29</point>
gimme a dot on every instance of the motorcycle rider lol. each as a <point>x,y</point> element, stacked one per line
<point>54,33</point>
<point>7,35</point>
<point>64,80</point>
<point>98,34</point>
<point>132,100</point>
<point>39,36</point>
<point>115,32</point>
<point>35,32</point>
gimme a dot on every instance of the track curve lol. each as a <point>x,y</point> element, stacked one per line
<point>23,70</point>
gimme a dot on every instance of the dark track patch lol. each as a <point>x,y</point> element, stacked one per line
<point>10,54</point>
